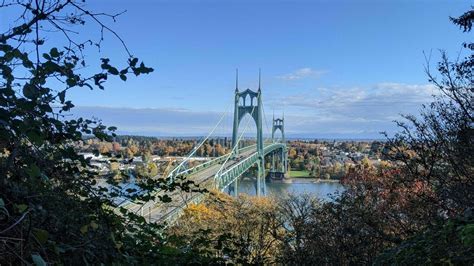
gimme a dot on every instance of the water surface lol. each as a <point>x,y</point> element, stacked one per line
<point>322,190</point>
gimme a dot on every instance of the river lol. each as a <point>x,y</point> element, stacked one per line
<point>321,190</point>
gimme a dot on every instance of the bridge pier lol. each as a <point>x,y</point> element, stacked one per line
<point>261,187</point>
<point>236,187</point>
<point>273,162</point>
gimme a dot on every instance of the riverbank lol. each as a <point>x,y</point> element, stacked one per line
<point>306,180</point>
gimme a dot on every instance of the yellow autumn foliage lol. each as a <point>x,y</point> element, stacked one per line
<point>250,225</point>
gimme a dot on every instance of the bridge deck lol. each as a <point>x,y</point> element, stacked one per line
<point>204,178</point>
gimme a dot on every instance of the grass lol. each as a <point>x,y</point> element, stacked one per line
<point>294,173</point>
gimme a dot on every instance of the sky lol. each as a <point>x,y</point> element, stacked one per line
<point>335,69</point>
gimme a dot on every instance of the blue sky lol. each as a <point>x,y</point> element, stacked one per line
<point>335,68</point>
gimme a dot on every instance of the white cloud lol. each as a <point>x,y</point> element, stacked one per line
<point>377,101</point>
<point>356,112</point>
<point>302,73</point>
<point>363,111</point>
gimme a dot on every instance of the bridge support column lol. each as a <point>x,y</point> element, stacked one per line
<point>283,161</point>
<point>250,102</point>
<point>236,187</point>
<point>279,124</point>
<point>261,188</point>
<point>273,162</point>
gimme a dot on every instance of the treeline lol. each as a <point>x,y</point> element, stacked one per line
<point>131,146</point>
<point>334,159</point>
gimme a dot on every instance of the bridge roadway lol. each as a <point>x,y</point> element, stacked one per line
<point>159,211</point>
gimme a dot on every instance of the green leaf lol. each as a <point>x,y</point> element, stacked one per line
<point>94,225</point>
<point>62,96</point>
<point>123,77</point>
<point>467,235</point>
<point>33,171</point>
<point>84,229</point>
<point>113,71</point>
<point>34,137</point>
<point>27,63</point>
<point>21,207</point>
<point>41,235</point>
<point>54,52</point>
<point>29,91</point>
<point>71,82</point>
<point>38,260</point>
<point>46,56</point>
<point>133,62</point>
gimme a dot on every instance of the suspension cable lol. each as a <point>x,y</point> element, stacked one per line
<point>194,150</point>
<point>236,145</point>
<point>266,123</point>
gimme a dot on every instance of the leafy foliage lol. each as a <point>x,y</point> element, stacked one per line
<point>52,210</point>
<point>449,243</point>
<point>225,229</point>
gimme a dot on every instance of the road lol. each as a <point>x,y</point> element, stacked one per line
<point>154,212</point>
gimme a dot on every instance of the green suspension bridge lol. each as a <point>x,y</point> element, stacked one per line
<point>224,172</point>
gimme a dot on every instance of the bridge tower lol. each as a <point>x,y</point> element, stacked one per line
<point>279,124</point>
<point>250,102</point>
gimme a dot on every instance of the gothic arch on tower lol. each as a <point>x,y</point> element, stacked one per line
<point>250,102</point>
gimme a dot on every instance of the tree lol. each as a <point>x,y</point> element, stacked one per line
<point>220,150</point>
<point>437,151</point>
<point>366,163</point>
<point>417,208</point>
<point>242,230</point>
<point>116,147</point>
<point>51,208</point>
<point>295,212</point>
<point>292,153</point>
<point>449,243</point>
<point>146,170</point>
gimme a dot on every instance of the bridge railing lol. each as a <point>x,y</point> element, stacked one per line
<point>189,171</point>
<point>209,163</point>
<point>225,178</point>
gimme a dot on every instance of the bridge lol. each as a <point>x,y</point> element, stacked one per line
<point>224,172</point>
